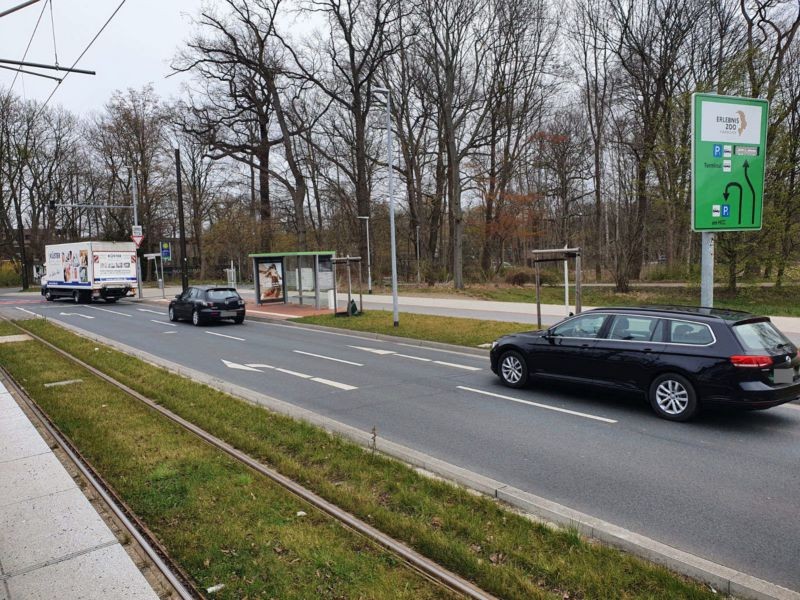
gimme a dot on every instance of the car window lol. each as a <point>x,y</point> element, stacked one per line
<point>643,329</point>
<point>685,332</point>
<point>194,293</point>
<point>584,326</point>
<point>187,294</point>
<point>760,336</point>
<point>221,294</point>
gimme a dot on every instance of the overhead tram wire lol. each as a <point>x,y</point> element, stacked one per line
<point>14,9</point>
<point>85,50</point>
<point>28,47</point>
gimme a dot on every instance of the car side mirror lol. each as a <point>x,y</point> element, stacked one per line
<point>177,296</point>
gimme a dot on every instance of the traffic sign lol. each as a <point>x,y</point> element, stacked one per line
<point>137,239</point>
<point>137,231</point>
<point>729,148</point>
<point>166,251</point>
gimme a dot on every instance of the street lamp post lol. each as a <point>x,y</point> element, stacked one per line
<point>390,165</point>
<point>369,257</point>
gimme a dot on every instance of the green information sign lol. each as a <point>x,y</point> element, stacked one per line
<point>729,147</point>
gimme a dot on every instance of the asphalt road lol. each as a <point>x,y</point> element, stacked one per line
<point>725,487</point>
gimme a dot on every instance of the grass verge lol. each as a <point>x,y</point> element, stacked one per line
<point>8,329</point>
<point>222,522</point>
<point>433,328</point>
<point>504,553</point>
<point>780,301</point>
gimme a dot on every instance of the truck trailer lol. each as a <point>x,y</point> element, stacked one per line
<point>86,271</point>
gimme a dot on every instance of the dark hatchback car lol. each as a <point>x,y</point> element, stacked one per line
<point>681,358</point>
<point>207,303</point>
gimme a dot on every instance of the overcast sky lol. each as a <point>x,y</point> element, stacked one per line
<point>134,50</point>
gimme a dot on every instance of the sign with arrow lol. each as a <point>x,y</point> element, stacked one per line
<point>729,152</point>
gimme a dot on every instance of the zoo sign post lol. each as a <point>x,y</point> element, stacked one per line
<point>729,148</point>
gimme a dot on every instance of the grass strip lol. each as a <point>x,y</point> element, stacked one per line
<point>221,521</point>
<point>7,328</point>
<point>433,328</point>
<point>504,553</point>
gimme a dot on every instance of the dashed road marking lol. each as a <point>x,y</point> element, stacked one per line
<point>26,311</point>
<point>163,322</point>
<point>155,312</point>
<point>538,405</point>
<point>108,310</point>
<point>339,360</point>
<point>230,337</point>
<point>454,365</point>
<point>382,352</point>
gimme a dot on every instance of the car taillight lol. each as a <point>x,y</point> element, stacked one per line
<point>755,362</point>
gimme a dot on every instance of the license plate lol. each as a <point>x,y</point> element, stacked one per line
<point>227,313</point>
<point>783,375</point>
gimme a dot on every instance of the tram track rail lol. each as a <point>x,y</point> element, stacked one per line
<point>178,582</point>
<point>419,563</point>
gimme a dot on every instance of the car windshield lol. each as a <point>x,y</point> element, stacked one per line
<point>219,295</point>
<point>761,336</point>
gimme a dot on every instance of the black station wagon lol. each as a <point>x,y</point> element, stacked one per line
<point>207,303</point>
<point>681,358</point>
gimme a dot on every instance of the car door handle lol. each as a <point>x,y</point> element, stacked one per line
<point>648,350</point>
<point>585,345</point>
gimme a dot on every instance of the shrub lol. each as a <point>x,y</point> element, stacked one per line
<point>9,276</point>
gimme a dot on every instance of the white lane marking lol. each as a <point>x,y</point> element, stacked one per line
<point>419,358</point>
<point>373,350</point>
<point>465,367</point>
<point>295,373</point>
<point>538,405</point>
<point>76,315</point>
<point>428,348</point>
<point>108,310</point>
<point>299,327</point>
<point>339,360</point>
<point>168,332</point>
<point>336,384</point>
<point>230,337</point>
<point>26,311</point>
<point>163,322</point>
<point>156,312</point>
<point>237,366</point>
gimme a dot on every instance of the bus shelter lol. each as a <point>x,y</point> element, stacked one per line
<point>558,255</point>
<point>299,277</point>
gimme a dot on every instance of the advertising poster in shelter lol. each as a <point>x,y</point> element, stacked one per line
<point>270,280</point>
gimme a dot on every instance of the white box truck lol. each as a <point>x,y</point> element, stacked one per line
<point>86,271</point>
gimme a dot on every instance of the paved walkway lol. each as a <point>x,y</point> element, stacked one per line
<point>53,544</point>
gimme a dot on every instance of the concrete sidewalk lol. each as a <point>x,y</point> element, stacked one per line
<point>53,544</point>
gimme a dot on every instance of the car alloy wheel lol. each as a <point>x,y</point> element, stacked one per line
<point>673,397</point>
<point>76,297</point>
<point>513,370</point>
<point>172,316</point>
<point>196,317</point>
<point>48,295</point>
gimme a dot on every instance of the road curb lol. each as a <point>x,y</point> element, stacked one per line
<point>724,579</point>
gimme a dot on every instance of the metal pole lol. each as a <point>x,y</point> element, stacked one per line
<point>369,257</point>
<point>390,163</point>
<point>163,283</point>
<point>566,285</point>
<point>419,278</point>
<point>538,296</point>
<point>181,227</point>
<point>578,279</point>
<point>135,193</point>
<point>707,270</point>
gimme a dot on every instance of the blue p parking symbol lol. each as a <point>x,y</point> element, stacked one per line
<point>717,150</point>
<point>726,210</point>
